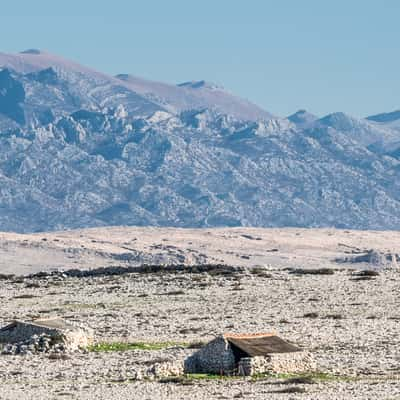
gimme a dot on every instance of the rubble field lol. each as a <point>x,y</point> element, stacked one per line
<point>346,314</point>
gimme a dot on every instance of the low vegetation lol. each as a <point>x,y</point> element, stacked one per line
<point>261,272</point>
<point>126,346</point>
<point>312,271</point>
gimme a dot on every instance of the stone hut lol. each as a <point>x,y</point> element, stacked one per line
<point>57,331</point>
<point>249,354</point>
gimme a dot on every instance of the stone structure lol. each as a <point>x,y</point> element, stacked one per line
<point>374,258</point>
<point>42,335</point>
<point>216,358</point>
<point>295,362</point>
<point>249,355</point>
<point>166,369</point>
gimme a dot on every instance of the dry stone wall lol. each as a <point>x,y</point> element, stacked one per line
<point>277,363</point>
<point>215,358</point>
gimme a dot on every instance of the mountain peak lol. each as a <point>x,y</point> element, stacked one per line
<point>339,120</point>
<point>123,77</point>
<point>302,118</point>
<point>385,117</point>
<point>194,95</point>
<point>31,51</point>
<point>199,85</point>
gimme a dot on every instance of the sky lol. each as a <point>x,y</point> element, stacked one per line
<point>319,55</point>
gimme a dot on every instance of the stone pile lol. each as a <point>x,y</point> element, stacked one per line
<point>160,370</point>
<point>36,344</point>
<point>44,336</point>
<point>166,369</point>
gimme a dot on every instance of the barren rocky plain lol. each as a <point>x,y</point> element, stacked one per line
<point>308,285</point>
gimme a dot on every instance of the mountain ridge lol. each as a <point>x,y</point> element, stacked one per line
<point>81,149</point>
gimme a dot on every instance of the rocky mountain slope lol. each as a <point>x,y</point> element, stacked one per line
<point>79,148</point>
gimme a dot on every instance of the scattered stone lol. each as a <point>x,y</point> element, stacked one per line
<point>166,369</point>
<point>300,380</point>
<point>25,296</point>
<point>312,271</point>
<point>334,316</point>
<point>36,344</point>
<point>180,380</point>
<point>185,331</point>
<point>250,237</point>
<point>173,293</point>
<point>6,277</point>
<point>291,389</point>
<point>311,315</point>
<point>367,272</point>
<point>261,272</point>
<point>59,356</point>
<point>362,278</point>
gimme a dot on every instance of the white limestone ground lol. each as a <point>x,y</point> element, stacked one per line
<point>99,247</point>
<point>349,323</point>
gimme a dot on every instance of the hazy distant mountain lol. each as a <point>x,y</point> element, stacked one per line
<point>195,95</point>
<point>385,117</point>
<point>389,120</point>
<point>302,118</point>
<point>80,148</point>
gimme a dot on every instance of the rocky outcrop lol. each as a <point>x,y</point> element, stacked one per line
<point>12,94</point>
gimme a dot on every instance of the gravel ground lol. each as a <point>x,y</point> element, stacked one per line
<point>103,247</point>
<point>350,325</point>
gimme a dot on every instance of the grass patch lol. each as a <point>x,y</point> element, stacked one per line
<point>210,377</point>
<point>312,271</point>
<point>122,346</point>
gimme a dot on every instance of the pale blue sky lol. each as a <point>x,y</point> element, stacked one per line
<point>321,55</point>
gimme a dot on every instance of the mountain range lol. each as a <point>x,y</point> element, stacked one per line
<point>79,148</point>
